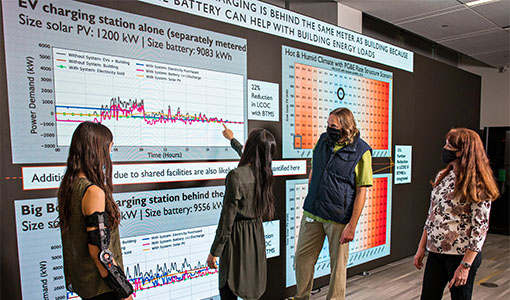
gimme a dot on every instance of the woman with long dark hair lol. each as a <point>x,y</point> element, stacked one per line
<point>458,218</point>
<point>239,240</point>
<point>89,217</point>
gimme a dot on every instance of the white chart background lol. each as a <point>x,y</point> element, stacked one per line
<point>84,93</point>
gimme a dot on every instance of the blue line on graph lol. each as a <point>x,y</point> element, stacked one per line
<point>82,107</point>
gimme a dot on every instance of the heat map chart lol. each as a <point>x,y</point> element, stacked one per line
<point>373,232</point>
<point>146,103</point>
<point>314,85</point>
<point>372,237</point>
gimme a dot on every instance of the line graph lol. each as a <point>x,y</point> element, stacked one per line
<point>52,72</point>
<point>166,275</point>
<point>146,103</point>
<point>171,265</point>
<point>135,109</point>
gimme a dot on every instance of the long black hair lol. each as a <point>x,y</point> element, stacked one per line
<point>89,153</point>
<point>259,151</point>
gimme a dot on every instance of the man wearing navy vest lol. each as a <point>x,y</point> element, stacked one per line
<point>341,173</point>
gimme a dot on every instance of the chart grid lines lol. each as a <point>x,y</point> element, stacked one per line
<point>313,85</point>
<point>145,98</point>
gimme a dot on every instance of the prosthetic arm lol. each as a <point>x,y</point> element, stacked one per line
<point>100,237</point>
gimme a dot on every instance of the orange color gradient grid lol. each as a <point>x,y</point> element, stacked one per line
<point>369,99</point>
<point>371,229</point>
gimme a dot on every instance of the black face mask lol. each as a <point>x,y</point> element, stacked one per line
<point>449,155</point>
<point>334,134</point>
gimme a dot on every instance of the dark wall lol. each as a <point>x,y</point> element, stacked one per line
<point>426,104</point>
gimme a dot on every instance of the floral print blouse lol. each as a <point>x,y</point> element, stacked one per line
<point>453,225</point>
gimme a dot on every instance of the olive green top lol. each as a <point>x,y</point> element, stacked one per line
<point>238,147</point>
<point>239,240</point>
<point>82,275</point>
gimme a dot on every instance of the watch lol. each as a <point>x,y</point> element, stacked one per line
<point>465,264</point>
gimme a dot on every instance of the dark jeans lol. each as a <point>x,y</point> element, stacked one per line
<point>227,294</point>
<point>105,296</point>
<point>439,269</point>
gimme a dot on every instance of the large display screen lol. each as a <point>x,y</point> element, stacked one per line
<point>165,239</point>
<point>163,89</point>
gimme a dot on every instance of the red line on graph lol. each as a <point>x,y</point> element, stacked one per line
<point>134,109</point>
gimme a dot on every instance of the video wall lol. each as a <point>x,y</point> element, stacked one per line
<point>165,77</point>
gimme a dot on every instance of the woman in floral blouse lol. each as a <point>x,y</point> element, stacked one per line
<point>458,218</point>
